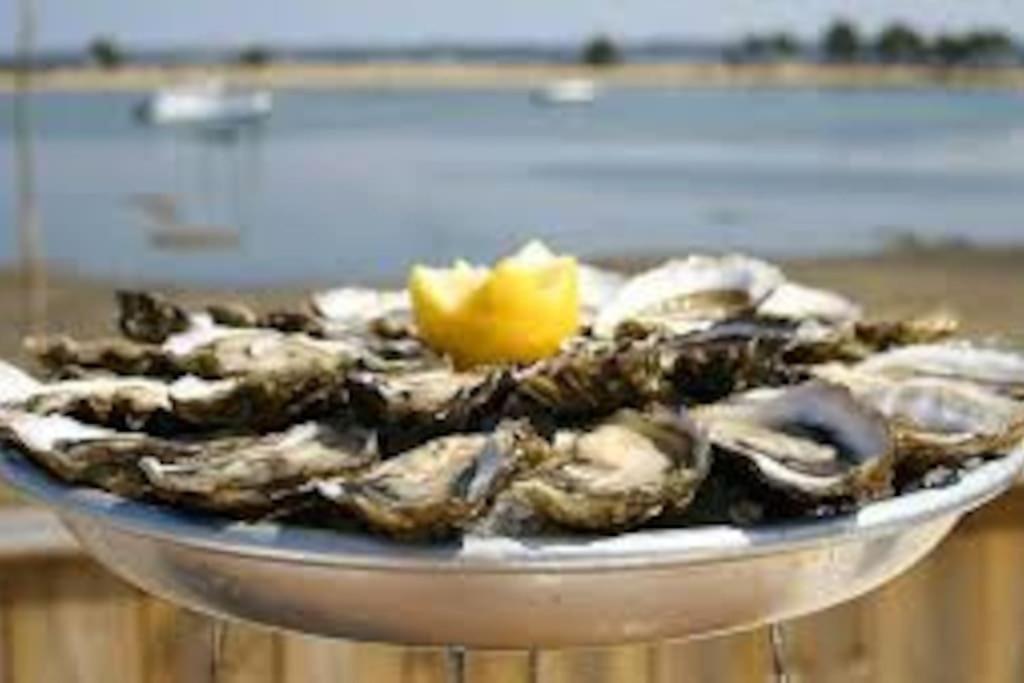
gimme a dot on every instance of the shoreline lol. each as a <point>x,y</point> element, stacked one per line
<point>400,75</point>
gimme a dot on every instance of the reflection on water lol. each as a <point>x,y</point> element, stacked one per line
<point>356,185</point>
<point>214,173</point>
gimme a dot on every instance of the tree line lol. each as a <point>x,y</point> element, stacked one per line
<point>897,43</point>
<point>841,42</point>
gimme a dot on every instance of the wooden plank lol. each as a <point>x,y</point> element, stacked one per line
<point>179,644</point>
<point>316,660</point>
<point>246,654</point>
<point>501,667</point>
<point>69,622</point>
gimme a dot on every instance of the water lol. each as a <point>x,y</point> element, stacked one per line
<point>341,186</point>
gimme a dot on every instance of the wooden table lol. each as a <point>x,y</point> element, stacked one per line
<point>958,616</point>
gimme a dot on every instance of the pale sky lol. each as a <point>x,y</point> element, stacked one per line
<point>71,23</point>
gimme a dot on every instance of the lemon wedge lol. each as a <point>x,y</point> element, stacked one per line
<point>519,310</point>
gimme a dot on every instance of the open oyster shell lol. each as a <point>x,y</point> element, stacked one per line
<point>76,452</point>
<point>256,475</point>
<point>685,295</point>
<point>1001,371</point>
<point>812,441</point>
<point>437,487</point>
<point>937,420</point>
<point>410,407</point>
<point>618,474</point>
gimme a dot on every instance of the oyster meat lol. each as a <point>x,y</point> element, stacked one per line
<point>436,488</point>
<point>618,474</point>
<point>686,295</point>
<point>812,441</point>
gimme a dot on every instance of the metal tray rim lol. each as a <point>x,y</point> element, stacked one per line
<point>692,545</point>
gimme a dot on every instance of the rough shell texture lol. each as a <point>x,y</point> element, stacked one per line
<point>435,488</point>
<point>256,475</point>
<point>150,318</point>
<point>410,407</point>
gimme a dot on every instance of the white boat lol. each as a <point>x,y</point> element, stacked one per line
<point>207,102</point>
<point>570,91</point>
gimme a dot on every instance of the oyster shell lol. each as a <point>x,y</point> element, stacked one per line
<point>435,488</point>
<point>410,407</point>
<point>624,471</point>
<point>76,452</point>
<point>597,287</point>
<point>150,318</point>
<point>792,301</point>
<point>1001,371</point>
<point>937,420</point>
<point>685,295</point>
<point>591,378</point>
<point>256,475</point>
<point>812,441</point>
<point>65,357</point>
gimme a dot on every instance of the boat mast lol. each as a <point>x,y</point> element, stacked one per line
<point>33,275</point>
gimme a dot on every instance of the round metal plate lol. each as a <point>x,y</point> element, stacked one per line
<point>503,593</point>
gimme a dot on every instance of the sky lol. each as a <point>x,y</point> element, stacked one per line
<point>170,23</point>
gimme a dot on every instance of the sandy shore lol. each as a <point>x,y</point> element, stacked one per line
<point>981,286</point>
<point>456,76</point>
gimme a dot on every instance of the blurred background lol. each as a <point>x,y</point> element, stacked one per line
<point>241,148</point>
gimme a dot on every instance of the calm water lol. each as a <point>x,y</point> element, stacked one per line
<point>347,186</point>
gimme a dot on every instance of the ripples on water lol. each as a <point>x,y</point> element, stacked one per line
<point>356,185</point>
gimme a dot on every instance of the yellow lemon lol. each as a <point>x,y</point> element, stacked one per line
<point>520,310</point>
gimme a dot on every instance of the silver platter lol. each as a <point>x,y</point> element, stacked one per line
<point>500,593</point>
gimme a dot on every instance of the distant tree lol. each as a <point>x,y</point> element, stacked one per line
<point>989,45</point>
<point>900,43</point>
<point>755,48</point>
<point>601,51</point>
<point>254,55</point>
<point>841,42</point>
<point>105,52</point>
<point>951,50</point>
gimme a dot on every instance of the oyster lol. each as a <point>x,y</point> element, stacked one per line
<point>686,295</point>
<point>624,471</point>
<point>255,475</point>
<point>591,378</point>
<point>65,357</point>
<point>76,452</point>
<point>879,335</point>
<point>1001,371</point>
<point>435,488</point>
<point>410,407</point>
<point>355,306</point>
<point>149,318</point>
<point>598,287</point>
<point>792,301</point>
<point>812,441</point>
<point>937,420</point>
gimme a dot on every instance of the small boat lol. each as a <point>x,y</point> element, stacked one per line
<point>570,91</point>
<point>207,102</point>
